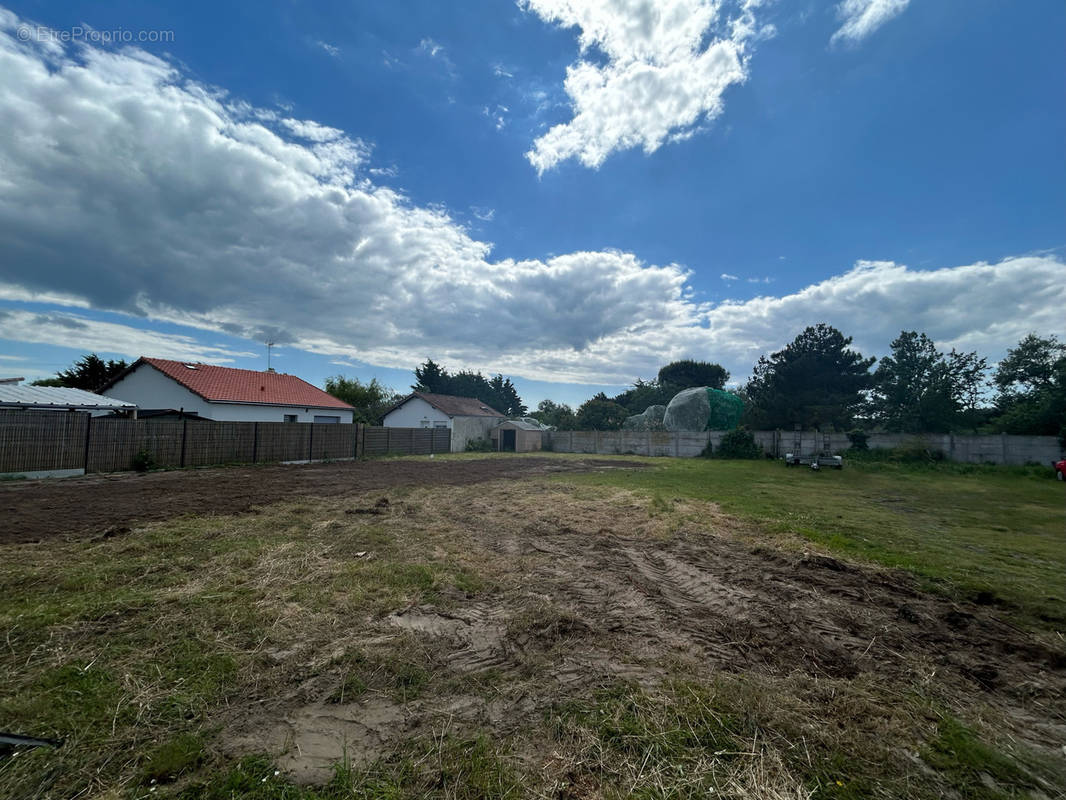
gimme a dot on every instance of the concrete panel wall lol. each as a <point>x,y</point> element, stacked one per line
<point>973,449</point>
<point>466,429</point>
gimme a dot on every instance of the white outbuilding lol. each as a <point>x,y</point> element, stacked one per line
<point>466,417</point>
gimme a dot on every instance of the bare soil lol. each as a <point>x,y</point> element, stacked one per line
<point>593,591</point>
<point>100,504</point>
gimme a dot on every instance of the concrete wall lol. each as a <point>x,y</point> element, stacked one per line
<point>465,429</point>
<point>149,388</point>
<point>990,449</point>
<point>416,413</point>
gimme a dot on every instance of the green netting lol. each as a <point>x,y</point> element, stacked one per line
<point>726,410</point>
<point>701,408</point>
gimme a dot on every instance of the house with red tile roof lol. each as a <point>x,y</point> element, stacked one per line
<point>225,393</point>
<point>466,417</point>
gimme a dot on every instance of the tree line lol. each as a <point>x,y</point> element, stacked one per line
<point>819,382</point>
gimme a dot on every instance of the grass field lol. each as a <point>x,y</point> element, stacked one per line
<point>659,632</point>
<point>995,535</point>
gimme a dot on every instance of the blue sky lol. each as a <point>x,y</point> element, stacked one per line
<point>572,193</point>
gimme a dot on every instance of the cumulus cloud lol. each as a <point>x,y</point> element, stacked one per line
<point>860,18</point>
<point>126,186</point>
<point>667,66</point>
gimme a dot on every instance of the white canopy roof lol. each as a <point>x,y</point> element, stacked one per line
<point>13,395</point>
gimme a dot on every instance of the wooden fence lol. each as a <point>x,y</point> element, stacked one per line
<point>56,441</point>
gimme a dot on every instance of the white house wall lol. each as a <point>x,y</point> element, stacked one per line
<point>414,413</point>
<point>149,388</point>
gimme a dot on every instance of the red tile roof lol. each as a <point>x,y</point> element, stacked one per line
<point>453,406</point>
<point>229,385</point>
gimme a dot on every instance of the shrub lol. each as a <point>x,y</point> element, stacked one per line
<point>143,461</point>
<point>859,439</point>
<point>739,443</point>
<point>479,446</point>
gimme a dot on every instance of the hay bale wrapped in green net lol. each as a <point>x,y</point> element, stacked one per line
<point>650,420</point>
<point>703,409</point>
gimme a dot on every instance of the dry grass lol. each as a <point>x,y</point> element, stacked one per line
<point>162,655</point>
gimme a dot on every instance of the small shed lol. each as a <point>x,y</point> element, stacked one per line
<point>517,436</point>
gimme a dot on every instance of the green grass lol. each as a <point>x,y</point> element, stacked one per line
<point>990,534</point>
<point>135,649</point>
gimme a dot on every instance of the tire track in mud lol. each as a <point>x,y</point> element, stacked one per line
<point>585,607</point>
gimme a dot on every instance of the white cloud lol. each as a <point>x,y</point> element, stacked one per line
<point>128,187</point>
<point>483,214</point>
<point>431,48</point>
<point>668,64</point>
<point>63,329</point>
<point>725,276</point>
<point>333,50</point>
<point>860,18</point>
<point>496,115</point>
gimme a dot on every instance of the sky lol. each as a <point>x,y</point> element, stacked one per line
<point>569,193</point>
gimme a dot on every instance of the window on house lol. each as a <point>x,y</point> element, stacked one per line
<point>440,424</point>
<point>425,423</point>
<point>330,420</point>
<point>290,418</point>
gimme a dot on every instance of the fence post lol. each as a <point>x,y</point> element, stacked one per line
<point>255,443</point>
<point>311,443</point>
<point>361,442</point>
<point>88,434</point>
<point>184,432</point>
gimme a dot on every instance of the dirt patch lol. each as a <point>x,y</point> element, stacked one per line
<point>591,591</point>
<point>109,504</point>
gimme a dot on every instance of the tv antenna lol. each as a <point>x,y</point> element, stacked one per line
<point>270,345</point>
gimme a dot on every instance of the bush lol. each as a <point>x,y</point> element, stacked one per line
<point>739,443</point>
<point>859,439</point>
<point>480,446</point>
<point>143,461</point>
<point>914,451</point>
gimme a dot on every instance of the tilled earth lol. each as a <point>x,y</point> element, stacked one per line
<point>38,509</point>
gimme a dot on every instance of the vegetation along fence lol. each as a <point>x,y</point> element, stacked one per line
<point>56,442</point>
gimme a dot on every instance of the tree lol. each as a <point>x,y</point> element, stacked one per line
<point>687,373</point>
<point>1032,388</point>
<point>644,394</point>
<point>430,377</point>
<point>599,413</point>
<point>918,389</point>
<point>498,392</point>
<point>558,415</point>
<point>90,373</point>
<point>370,400</point>
<point>504,397</point>
<point>1030,366</point>
<point>816,381</point>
